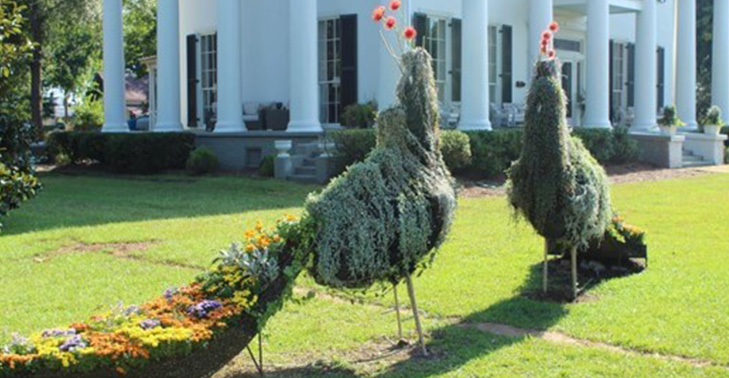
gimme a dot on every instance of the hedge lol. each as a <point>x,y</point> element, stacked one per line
<point>354,145</point>
<point>491,152</point>
<point>125,153</point>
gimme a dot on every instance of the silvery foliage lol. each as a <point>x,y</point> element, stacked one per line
<point>259,263</point>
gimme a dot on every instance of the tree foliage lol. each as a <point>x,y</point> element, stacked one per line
<point>140,33</point>
<point>380,219</point>
<point>556,184</point>
<point>17,182</point>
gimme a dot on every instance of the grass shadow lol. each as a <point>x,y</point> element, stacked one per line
<point>90,200</point>
<point>453,346</point>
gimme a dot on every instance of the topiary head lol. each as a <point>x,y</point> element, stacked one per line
<point>419,98</point>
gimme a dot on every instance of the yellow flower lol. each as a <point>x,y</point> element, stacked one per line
<point>250,248</point>
<point>259,226</point>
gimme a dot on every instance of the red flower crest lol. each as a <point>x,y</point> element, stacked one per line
<point>547,35</point>
<point>395,4</point>
<point>390,23</point>
<point>554,27</point>
<point>378,14</point>
<point>410,33</point>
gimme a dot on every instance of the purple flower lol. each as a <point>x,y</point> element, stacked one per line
<point>58,332</point>
<point>132,310</point>
<point>149,324</point>
<point>169,293</point>
<point>202,309</point>
<point>73,343</point>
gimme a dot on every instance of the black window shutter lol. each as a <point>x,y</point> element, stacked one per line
<point>506,64</point>
<point>420,22</point>
<point>631,75</point>
<point>457,58</point>
<point>610,81</point>
<point>192,41</point>
<point>349,61</point>
<point>661,77</point>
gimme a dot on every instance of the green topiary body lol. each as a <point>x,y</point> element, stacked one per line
<point>556,184</point>
<point>379,219</point>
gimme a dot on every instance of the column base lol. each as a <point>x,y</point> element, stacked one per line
<point>597,125</point>
<point>115,127</point>
<point>483,125</point>
<point>230,127</point>
<point>168,127</point>
<point>305,126</point>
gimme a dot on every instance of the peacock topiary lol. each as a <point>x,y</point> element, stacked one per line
<point>556,184</point>
<point>381,219</point>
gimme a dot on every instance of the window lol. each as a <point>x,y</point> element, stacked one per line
<point>209,78</point>
<point>330,69</point>
<point>493,63</point>
<point>434,42</point>
<point>618,78</point>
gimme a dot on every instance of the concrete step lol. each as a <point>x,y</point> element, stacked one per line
<point>307,162</point>
<point>693,164</point>
<point>692,158</point>
<point>305,171</point>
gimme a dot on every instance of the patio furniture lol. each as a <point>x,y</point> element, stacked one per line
<point>251,116</point>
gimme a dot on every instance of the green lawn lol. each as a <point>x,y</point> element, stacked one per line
<point>678,309</point>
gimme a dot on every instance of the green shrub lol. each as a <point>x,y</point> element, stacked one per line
<point>493,151</point>
<point>202,161</point>
<point>125,153</point>
<point>726,156</point>
<point>267,167</point>
<point>456,149</point>
<point>353,146</point>
<point>89,115</point>
<point>713,117</point>
<point>360,116</point>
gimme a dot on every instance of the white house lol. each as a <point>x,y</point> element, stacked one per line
<point>218,61</point>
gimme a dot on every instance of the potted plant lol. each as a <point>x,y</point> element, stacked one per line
<point>712,121</point>
<point>670,121</point>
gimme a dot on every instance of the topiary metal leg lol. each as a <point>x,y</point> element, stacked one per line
<point>416,315</point>
<point>574,273</point>
<point>545,275</point>
<point>397,313</point>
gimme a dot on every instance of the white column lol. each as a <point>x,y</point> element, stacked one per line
<point>230,77</point>
<point>646,77</point>
<point>114,103</point>
<point>475,101</point>
<point>720,76</point>
<point>686,63</point>
<point>168,63</point>
<point>303,63</point>
<point>597,112</point>
<point>541,14</point>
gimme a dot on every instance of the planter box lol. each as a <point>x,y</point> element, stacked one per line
<point>609,250</point>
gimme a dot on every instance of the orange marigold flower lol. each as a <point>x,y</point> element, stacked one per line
<point>410,33</point>
<point>390,23</point>
<point>395,4</point>
<point>378,14</point>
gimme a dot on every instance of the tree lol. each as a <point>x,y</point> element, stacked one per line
<point>72,58</point>
<point>45,17</point>
<point>140,33</point>
<point>17,181</point>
